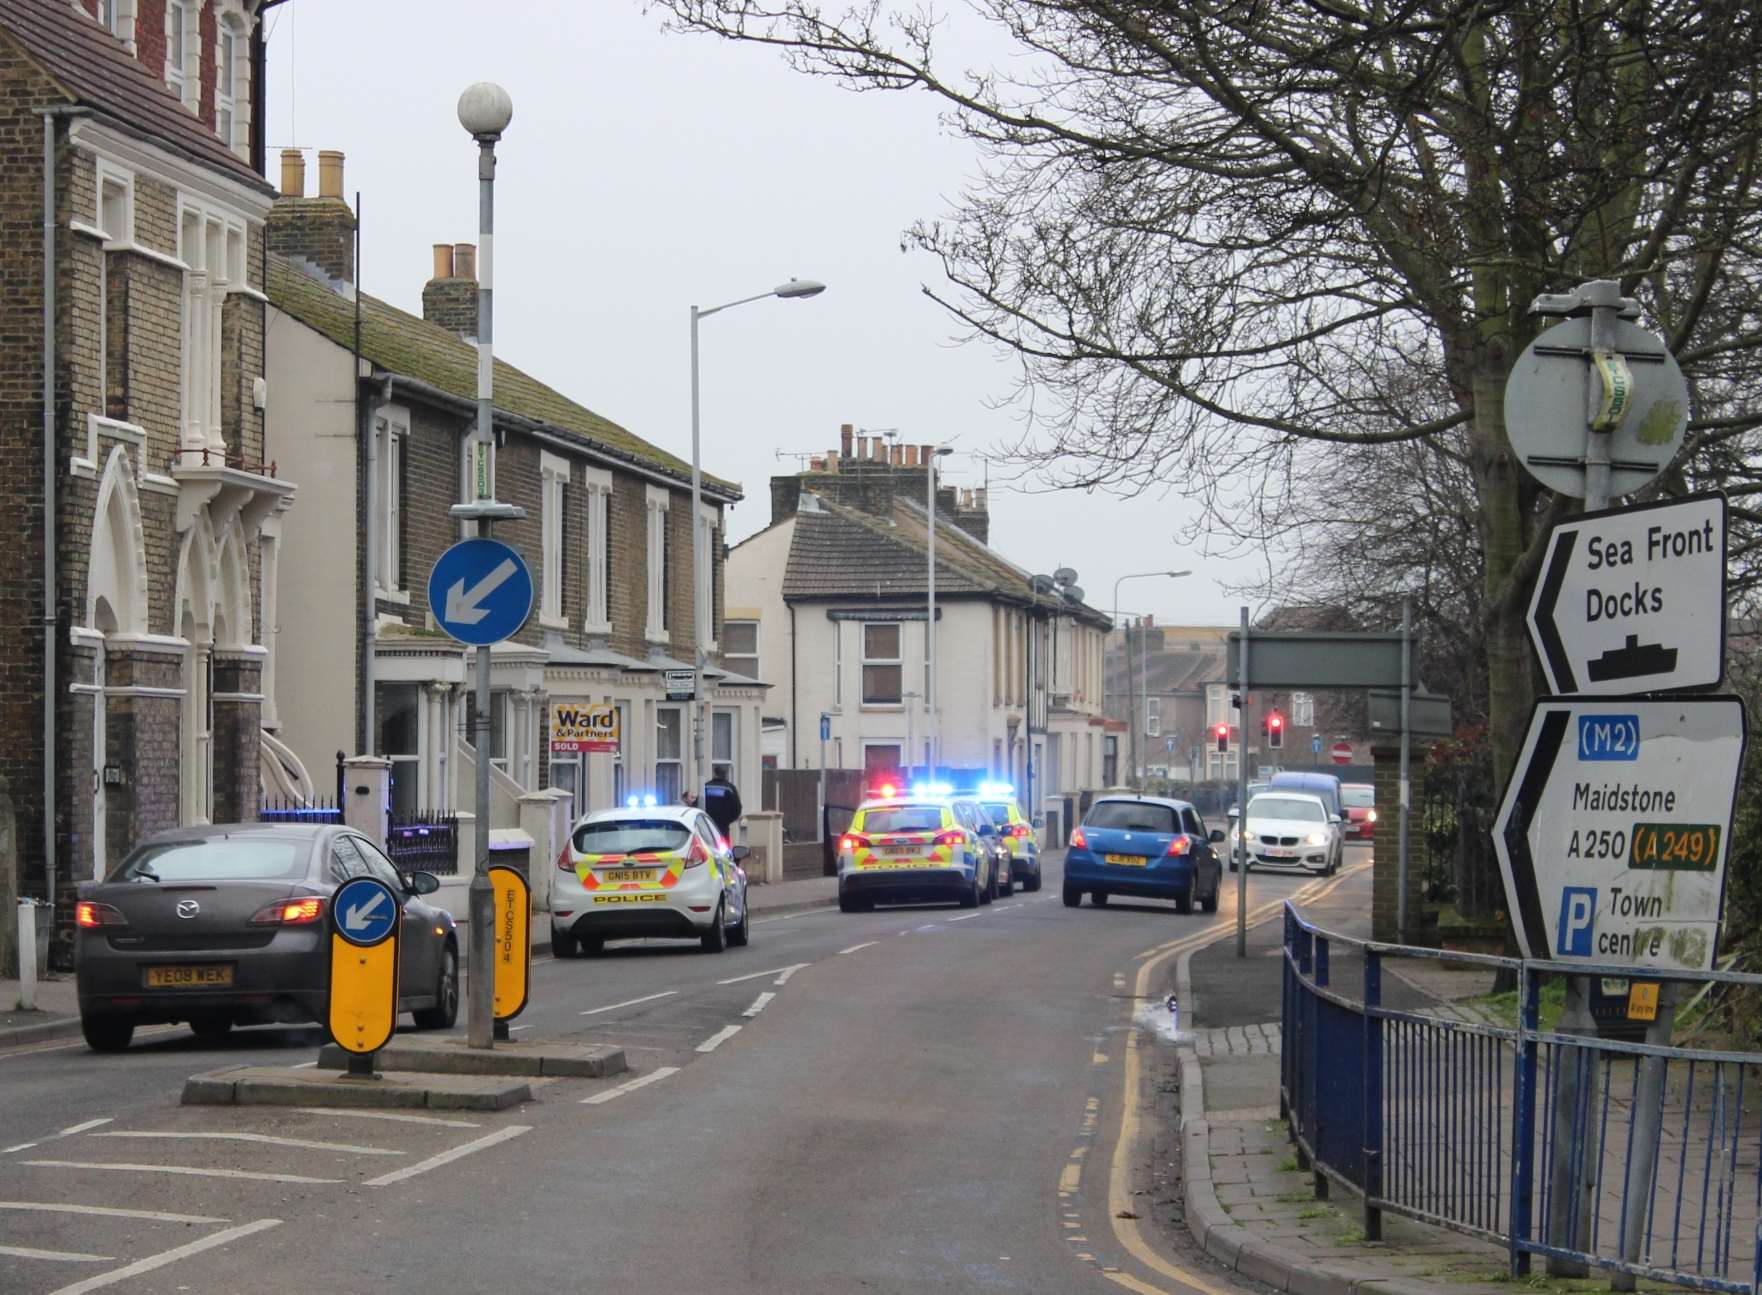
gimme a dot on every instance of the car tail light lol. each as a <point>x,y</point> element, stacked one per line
<point>290,912</point>
<point>89,914</point>
<point>697,854</point>
<point>1180,845</point>
<point>566,861</point>
<point>1078,840</point>
<point>1370,816</point>
<point>852,841</point>
<point>953,836</point>
<point>1017,830</point>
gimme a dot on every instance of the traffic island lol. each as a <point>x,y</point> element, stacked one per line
<point>408,1089</point>
<point>453,1055</point>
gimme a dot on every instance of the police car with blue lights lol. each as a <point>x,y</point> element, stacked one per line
<point>648,870</point>
<point>998,799</point>
<point>922,845</point>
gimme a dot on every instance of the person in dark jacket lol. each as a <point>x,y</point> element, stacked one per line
<point>722,803</point>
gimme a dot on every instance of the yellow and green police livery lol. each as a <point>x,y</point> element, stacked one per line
<point>916,847</point>
<point>647,870</point>
<point>998,799</point>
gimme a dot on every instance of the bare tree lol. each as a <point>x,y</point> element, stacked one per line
<point>1221,233</point>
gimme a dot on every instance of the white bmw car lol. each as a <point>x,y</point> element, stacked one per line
<point>648,870</point>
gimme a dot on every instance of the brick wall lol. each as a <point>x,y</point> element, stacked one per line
<point>321,230</point>
<point>451,303</point>
<point>1385,874</point>
<point>237,725</point>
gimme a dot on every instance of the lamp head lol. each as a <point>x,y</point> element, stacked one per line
<point>798,288</point>
<point>485,110</point>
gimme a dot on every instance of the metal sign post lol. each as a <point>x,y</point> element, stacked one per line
<point>1242,800</point>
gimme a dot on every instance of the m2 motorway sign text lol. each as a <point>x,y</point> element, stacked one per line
<point>1614,830</point>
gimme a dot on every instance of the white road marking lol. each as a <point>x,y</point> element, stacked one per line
<point>966,917</point>
<point>447,1157</point>
<point>787,973</point>
<point>55,1256</point>
<point>387,1115</point>
<point>515,1029</point>
<point>305,1065</point>
<point>630,1086</point>
<point>72,1129</point>
<point>630,1002</point>
<point>23,1146</point>
<point>759,1004</point>
<point>264,1138</point>
<point>179,1169</point>
<point>167,1257</point>
<point>760,975</point>
<point>864,945</point>
<point>109,1212</point>
<point>717,1039</point>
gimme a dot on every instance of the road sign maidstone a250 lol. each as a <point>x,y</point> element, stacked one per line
<point>1615,827</point>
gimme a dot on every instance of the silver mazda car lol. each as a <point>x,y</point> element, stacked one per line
<point>228,925</point>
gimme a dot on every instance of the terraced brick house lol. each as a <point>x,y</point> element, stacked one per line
<point>143,505</point>
<point>376,404</point>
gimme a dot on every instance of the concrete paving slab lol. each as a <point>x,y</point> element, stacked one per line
<point>453,1055</point>
<point>288,1086</point>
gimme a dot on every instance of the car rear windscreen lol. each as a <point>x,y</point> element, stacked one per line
<point>903,818</point>
<point>1290,808</point>
<point>236,860</point>
<point>1130,816</point>
<point>632,836</point>
<point>1359,797</point>
<point>999,813</point>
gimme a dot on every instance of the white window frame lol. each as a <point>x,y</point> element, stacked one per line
<point>501,705</point>
<point>226,87</point>
<point>553,472</point>
<point>677,760</point>
<point>1217,705</point>
<point>725,764</point>
<point>897,660</point>
<point>660,501</point>
<point>118,226</point>
<point>597,483</point>
<point>211,245</point>
<point>183,35</point>
<point>1153,717</point>
<point>393,432</point>
<point>1303,710</point>
<point>729,657</point>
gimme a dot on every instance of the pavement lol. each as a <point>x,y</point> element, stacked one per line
<point>1247,1204</point>
<point>57,1013</point>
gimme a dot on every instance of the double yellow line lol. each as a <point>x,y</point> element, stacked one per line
<point>1119,1186</point>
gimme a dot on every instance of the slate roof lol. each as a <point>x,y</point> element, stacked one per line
<point>407,345</point>
<point>840,551</point>
<point>93,69</point>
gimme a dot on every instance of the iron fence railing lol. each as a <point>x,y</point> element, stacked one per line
<point>1641,1159</point>
<point>424,842</point>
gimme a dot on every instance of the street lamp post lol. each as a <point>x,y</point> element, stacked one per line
<point>484,111</point>
<point>795,288</point>
<point>932,721</point>
<point>1143,671</point>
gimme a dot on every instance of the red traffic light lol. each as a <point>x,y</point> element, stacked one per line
<point>1223,737</point>
<point>1277,720</point>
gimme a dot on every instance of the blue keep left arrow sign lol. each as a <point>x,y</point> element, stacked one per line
<point>480,591</point>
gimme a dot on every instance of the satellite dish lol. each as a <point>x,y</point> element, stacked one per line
<point>1074,593</point>
<point>1041,584</point>
<point>1065,576</point>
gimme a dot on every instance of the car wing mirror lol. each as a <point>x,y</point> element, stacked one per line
<point>741,853</point>
<point>1217,836</point>
<point>421,883</point>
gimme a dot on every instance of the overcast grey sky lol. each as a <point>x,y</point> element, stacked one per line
<point>645,172</point>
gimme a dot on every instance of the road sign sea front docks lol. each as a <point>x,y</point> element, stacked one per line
<point>1614,830</point>
<point>1632,600</point>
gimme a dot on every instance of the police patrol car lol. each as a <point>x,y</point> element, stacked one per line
<point>918,846</point>
<point>999,800</point>
<point>648,870</point>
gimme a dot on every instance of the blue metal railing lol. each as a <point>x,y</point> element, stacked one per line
<point>1526,1138</point>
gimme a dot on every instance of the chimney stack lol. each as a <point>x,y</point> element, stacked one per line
<point>318,230</point>
<point>911,456</point>
<point>450,298</point>
<point>896,454</point>
<point>878,449</point>
<point>845,433</point>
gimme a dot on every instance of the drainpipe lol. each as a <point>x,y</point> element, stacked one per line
<point>51,594</point>
<point>378,396</point>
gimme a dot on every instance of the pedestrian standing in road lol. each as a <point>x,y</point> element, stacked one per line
<point>722,803</point>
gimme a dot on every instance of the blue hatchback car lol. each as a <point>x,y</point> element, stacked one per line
<point>1144,846</point>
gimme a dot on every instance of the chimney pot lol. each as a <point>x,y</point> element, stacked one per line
<point>878,449</point>
<point>844,438</point>
<point>833,458</point>
<point>465,261</point>
<point>862,447</point>
<point>896,454</point>
<point>330,173</point>
<point>816,463</point>
<point>293,173</point>
<point>926,452</point>
<point>979,500</point>
<point>443,260</point>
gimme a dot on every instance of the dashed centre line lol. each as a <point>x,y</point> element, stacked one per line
<point>630,1086</point>
<point>632,1002</point>
<point>717,1039</point>
<point>759,1004</point>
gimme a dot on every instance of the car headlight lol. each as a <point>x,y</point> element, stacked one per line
<point>1316,838</point>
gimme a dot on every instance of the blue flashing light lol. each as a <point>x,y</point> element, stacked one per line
<point>634,801</point>
<point>649,801</point>
<point>999,790</point>
<point>932,789</point>
<point>630,801</point>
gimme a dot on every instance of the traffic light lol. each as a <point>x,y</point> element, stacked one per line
<point>1275,730</point>
<point>1223,737</point>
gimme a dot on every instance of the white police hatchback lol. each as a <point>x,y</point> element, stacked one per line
<point>648,871</point>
